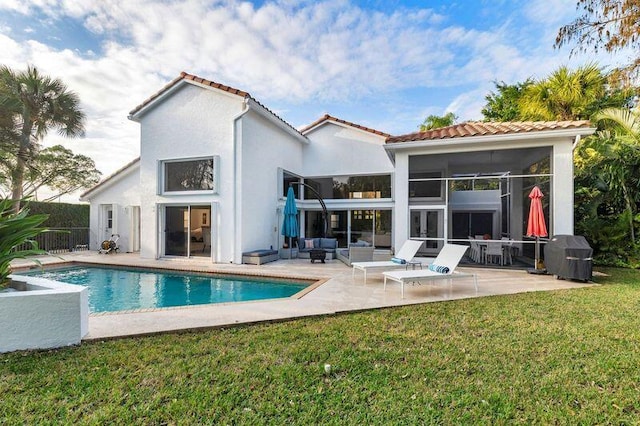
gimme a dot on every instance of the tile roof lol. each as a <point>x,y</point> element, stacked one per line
<point>186,76</point>
<point>328,117</point>
<point>229,89</point>
<point>481,128</point>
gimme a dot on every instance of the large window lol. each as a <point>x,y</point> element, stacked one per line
<point>350,226</point>
<point>350,187</point>
<point>189,175</point>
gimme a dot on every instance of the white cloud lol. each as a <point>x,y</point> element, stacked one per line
<point>293,53</point>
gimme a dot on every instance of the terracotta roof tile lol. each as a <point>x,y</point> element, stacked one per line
<point>481,128</point>
<point>328,117</point>
<point>186,76</point>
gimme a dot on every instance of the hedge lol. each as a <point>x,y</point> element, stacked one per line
<point>62,215</point>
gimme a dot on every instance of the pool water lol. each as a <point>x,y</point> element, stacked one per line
<point>119,289</point>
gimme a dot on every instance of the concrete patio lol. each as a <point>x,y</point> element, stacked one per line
<point>337,293</point>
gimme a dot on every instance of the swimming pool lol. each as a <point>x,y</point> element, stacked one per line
<point>122,289</point>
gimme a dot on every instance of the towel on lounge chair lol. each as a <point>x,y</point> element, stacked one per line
<point>438,268</point>
<point>398,260</point>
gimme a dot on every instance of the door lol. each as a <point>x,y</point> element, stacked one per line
<point>176,231</point>
<point>428,225</point>
<point>107,224</point>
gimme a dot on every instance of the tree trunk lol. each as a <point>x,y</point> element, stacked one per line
<point>17,174</point>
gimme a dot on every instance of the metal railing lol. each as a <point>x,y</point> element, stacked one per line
<point>61,240</point>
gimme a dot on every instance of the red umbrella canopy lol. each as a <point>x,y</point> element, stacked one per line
<point>536,226</point>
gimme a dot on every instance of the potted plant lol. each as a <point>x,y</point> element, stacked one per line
<point>16,230</point>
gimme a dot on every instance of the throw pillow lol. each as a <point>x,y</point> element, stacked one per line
<point>308,243</point>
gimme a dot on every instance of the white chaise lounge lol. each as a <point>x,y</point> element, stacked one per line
<point>449,257</point>
<point>406,253</point>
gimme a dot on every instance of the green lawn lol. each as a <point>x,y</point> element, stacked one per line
<point>554,357</point>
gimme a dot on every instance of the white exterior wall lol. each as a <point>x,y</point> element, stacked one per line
<point>191,122</point>
<point>265,149</point>
<point>122,193</point>
<point>338,150</point>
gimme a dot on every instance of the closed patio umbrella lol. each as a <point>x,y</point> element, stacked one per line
<point>536,226</point>
<point>290,222</point>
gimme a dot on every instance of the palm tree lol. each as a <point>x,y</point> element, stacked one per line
<point>437,121</point>
<point>34,104</point>
<point>618,149</point>
<point>564,95</point>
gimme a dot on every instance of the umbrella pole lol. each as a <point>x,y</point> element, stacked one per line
<point>537,256</point>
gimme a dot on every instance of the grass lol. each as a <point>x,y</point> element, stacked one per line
<point>552,357</point>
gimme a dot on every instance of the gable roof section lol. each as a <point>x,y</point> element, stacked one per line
<point>481,128</point>
<point>186,77</point>
<point>106,182</point>
<point>327,117</point>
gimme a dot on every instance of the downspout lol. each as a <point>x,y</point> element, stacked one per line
<point>236,147</point>
<point>575,143</point>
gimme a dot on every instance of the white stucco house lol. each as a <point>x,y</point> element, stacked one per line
<point>215,165</point>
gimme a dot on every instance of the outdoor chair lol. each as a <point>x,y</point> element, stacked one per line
<point>493,252</point>
<point>401,260</point>
<point>476,251</point>
<point>443,267</point>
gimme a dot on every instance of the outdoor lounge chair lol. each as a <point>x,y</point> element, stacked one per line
<point>405,254</point>
<point>448,258</point>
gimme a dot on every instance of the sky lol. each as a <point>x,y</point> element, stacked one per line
<point>382,64</point>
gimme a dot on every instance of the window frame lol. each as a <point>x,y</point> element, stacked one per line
<point>162,176</point>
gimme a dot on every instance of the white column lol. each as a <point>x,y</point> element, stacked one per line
<point>562,203</point>
<point>401,198</point>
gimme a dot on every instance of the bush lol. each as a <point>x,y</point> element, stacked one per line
<point>62,215</point>
<point>17,229</point>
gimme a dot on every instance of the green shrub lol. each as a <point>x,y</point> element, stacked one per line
<point>62,215</point>
<point>17,229</point>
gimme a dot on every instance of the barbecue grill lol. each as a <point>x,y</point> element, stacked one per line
<point>569,257</point>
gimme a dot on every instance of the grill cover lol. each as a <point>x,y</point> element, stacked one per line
<point>569,257</point>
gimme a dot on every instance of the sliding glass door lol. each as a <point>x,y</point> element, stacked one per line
<point>176,230</point>
<point>187,231</point>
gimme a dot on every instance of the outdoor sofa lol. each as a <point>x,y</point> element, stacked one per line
<point>305,245</point>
